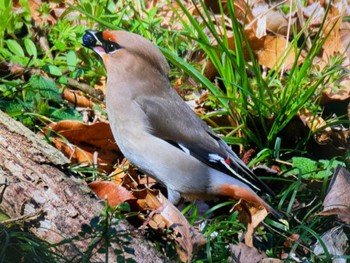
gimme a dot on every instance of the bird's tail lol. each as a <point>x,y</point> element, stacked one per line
<point>240,192</point>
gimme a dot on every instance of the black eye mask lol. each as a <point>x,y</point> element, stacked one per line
<point>93,38</point>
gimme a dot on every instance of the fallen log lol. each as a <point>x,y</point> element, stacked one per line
<point>36,188</point>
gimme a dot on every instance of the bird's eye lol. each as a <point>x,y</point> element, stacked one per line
<point>89,40</point>
<point>110,47</point>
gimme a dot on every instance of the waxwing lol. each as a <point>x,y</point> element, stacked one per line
<point>159,133</point>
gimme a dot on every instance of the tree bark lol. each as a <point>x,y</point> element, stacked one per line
<point>33,182</point>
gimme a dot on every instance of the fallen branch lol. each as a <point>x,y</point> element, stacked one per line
<point>53,203</point>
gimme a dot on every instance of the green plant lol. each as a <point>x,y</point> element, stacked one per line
<point>221,230</point>
<point>12,23</point>
<point>35,97</point>
<point>20,246</point>
<point>104,235</point>
<point>28,101</point>
<point>263,106</point>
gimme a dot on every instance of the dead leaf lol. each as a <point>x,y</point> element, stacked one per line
<point>147,181</point>
<point>333,44</point>
<point>101,85</point>
<point>344,32</point>
<point>312,121</point>
<point>332,137</point>
<point>337,200</point>
<point>269,19</point>
<point>113,193</point>
<point>257,216</point>
<point>77,99</point>
<point>39,20</point>
<point>291,240</point>
<point>259,10</point>
<point>166,215</point>
<point>275,52</point>
<point>335,241</point>
<point>243,253</point>
<point>98,134</point>
<point>315,12</point>
<point>126,174</point>
<point>338,94</point>
<point>86,143</point>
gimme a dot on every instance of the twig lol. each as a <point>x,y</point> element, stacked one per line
<point>21,219</point>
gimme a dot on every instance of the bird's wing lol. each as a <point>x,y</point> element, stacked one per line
<point>172,120</point>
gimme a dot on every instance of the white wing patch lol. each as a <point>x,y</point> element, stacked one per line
<point>186,150</point>
<point>217,158</point>
<point>214,158</point>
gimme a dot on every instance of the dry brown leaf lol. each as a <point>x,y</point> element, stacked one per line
<point>111,192</point>
<point>345,37</point>
<point>339,94</point>
<point>337,200</point>
<point>118,174</point>
<point>74,153</point>
<point>147,181</point>
<point>274,51</point>
<point>167,215</point>
<point>259,10</point>
<point>126,175</point>
<point>246,254</point>
<point>335,241</point>
<point>334,139</point>
<point>257,216</point>
<point>333,44</point>
<point>101,85</point>
<point>291,240</point>
<point>269,20</point>
<point>315,12</point>
<point>269,49</point>
<point>37,17</point>
<point>77,99</point>
<point>169,19</point>
<point>145,199</point>
<point>98,134</point>
<point>185,235</point>
<point>57,8</point>
<point>83,143</point>
<point>87,155</point>
<point>310,120</point>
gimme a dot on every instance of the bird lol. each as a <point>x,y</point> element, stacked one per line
<point>158,132</point>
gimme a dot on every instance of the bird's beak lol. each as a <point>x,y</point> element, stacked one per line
<point>93,39</point>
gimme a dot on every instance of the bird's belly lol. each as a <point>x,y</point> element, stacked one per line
<point>167,164</point>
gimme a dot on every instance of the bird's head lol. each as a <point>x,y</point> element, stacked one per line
<point>116,48</point>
